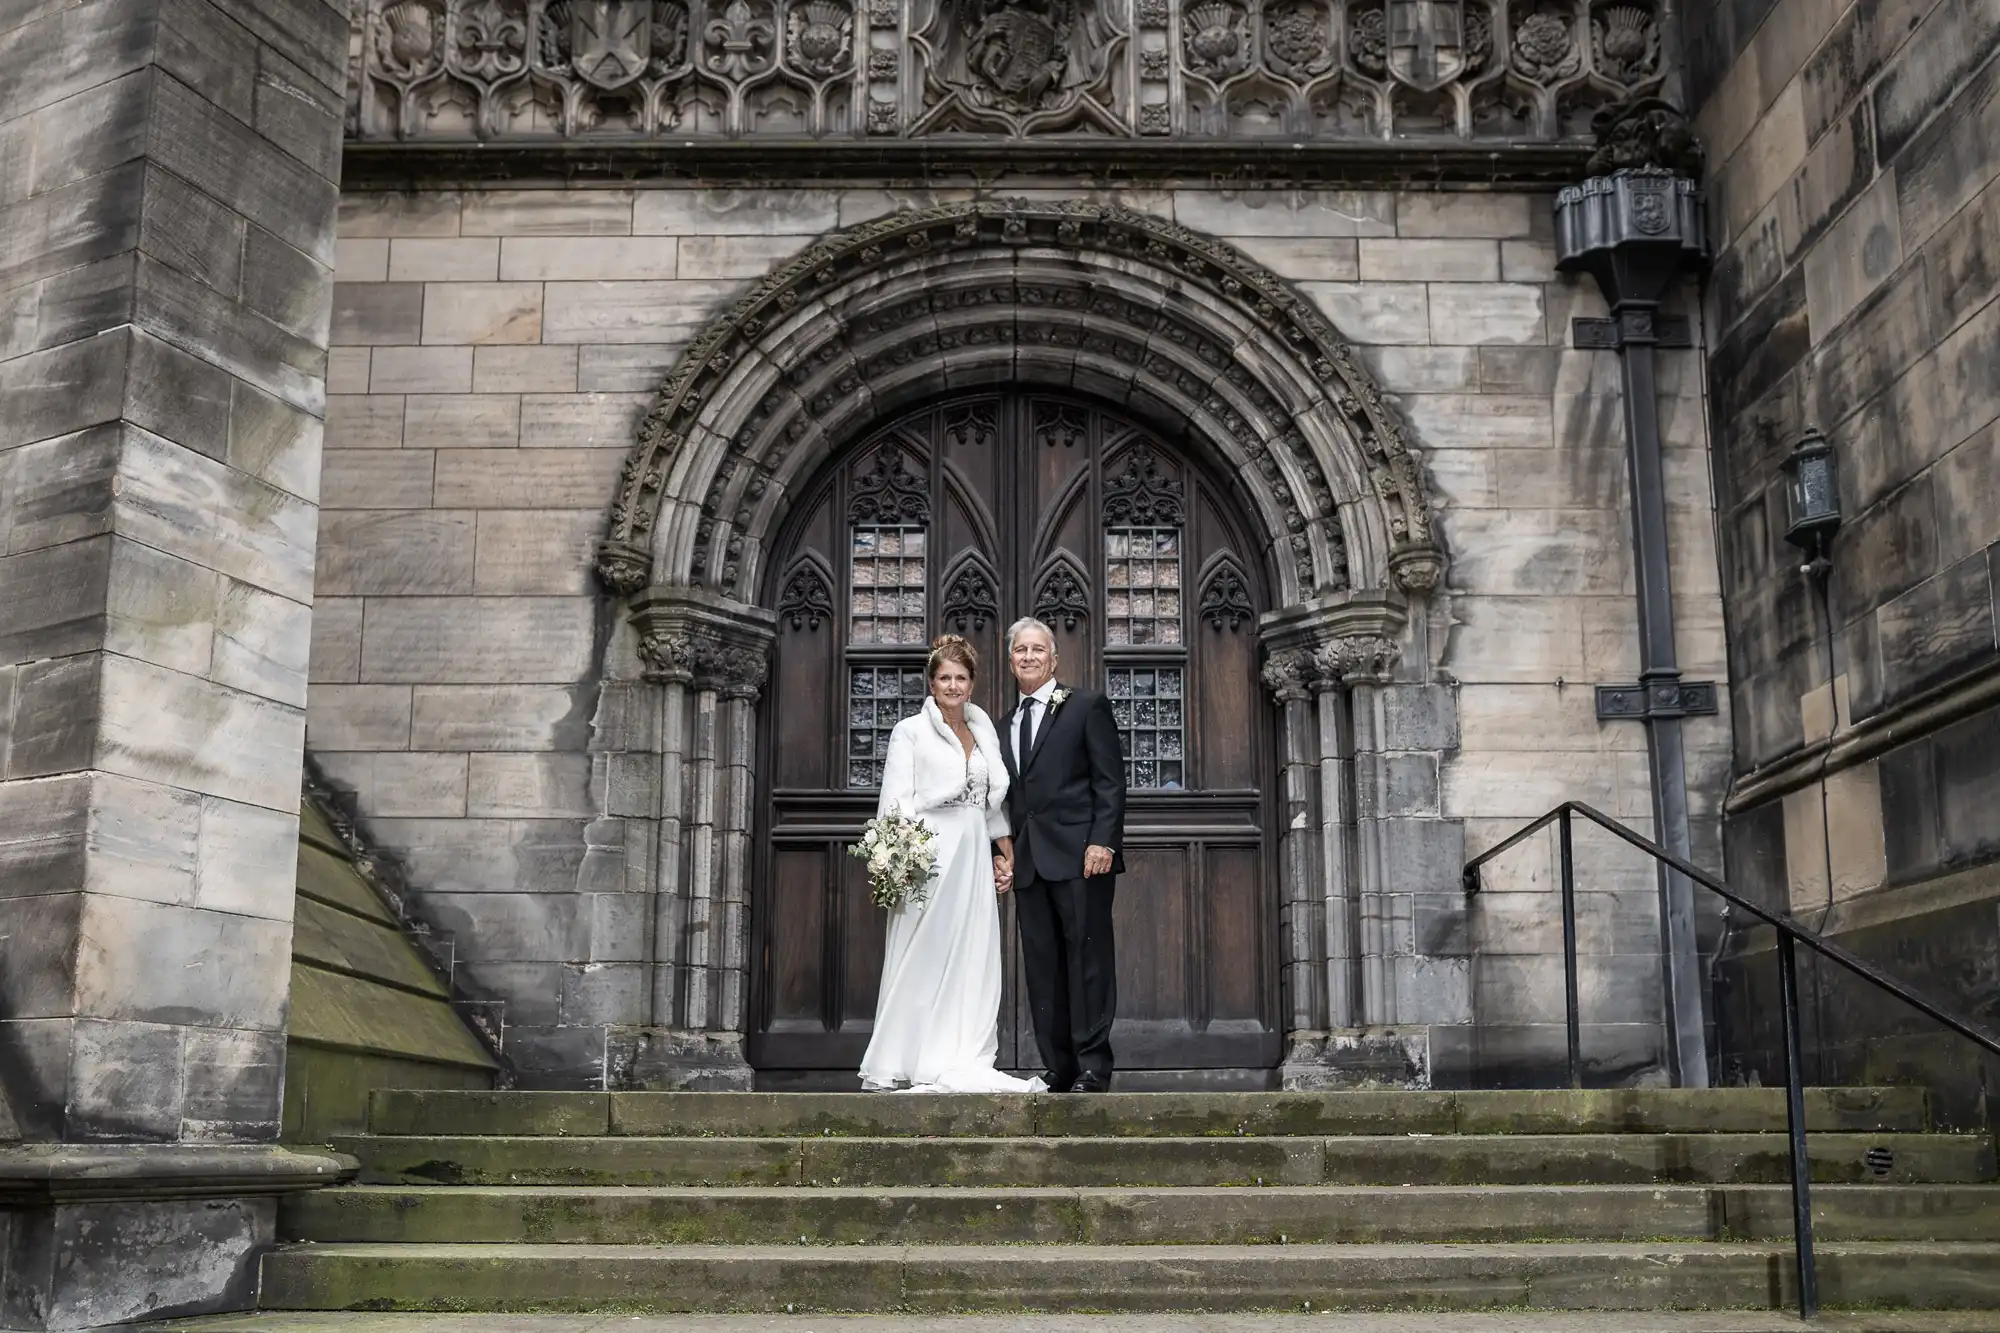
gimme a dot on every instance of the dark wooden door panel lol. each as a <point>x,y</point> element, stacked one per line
<point>961,518</point>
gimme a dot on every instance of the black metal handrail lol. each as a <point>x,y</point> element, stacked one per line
<point>1789,933</point>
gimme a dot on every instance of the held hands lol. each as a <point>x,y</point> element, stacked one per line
<point>1096,861</point>
<point>1003,874</point>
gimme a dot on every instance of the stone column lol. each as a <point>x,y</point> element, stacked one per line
<point>167,190</point>
<point>1327,843</point>
<point>709,656</point>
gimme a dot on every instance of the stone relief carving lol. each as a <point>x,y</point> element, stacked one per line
<point>450,70</point>
<point>1233,401</point>
<point>1018,67</point>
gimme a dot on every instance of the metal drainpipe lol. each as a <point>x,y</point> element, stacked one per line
<point>1635,231</point>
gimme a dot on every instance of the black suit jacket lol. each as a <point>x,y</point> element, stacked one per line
<point>1071,792</point>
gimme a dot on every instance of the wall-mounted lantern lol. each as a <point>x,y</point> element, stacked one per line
<point>1812,493</point>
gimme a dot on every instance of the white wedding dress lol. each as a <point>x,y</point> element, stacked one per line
<point>937,1015</point>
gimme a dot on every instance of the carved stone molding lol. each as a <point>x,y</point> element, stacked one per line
<point>693,638</point>
<point>1357,658</point>
<point>1331,643</point>
<point>1374,73</point>
<point>842,356</point>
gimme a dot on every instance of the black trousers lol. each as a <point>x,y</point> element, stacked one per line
<point>1071,967</point>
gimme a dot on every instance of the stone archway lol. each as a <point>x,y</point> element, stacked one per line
<point>1175,328</point>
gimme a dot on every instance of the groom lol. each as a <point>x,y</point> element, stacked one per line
<point>1066,806</point>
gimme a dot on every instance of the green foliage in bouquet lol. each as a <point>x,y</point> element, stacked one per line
<point>901,853</point>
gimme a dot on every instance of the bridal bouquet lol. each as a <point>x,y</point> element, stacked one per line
<point>901,855</point>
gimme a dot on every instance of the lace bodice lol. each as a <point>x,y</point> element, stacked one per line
<point>978,783</point>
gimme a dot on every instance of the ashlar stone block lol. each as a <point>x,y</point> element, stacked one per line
<point>461,420</point>
<point>376,479</point>
<point>443,259</point>
<point>536,551</point>
<point>582,420</point>
<point>496,717</point>
<point>604,259</point>
<point>499,368</point>
<point>482,312</point>
<point>734,212</point>
<point>1473,313</point>
<point>470,640</point>
<point>348,718</point>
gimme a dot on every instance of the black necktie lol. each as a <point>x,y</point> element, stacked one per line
<point>1027,728</point>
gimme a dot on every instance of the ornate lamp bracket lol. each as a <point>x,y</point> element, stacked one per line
<point>688,636</point>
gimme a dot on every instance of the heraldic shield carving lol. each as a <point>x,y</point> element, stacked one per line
<point>1427,42</point>
<point>610,41</point>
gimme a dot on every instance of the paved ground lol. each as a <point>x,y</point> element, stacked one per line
<point>1589,1322</point>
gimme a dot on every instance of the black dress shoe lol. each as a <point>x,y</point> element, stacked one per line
<point>1090,1082</point>
<point>1054,1082</point>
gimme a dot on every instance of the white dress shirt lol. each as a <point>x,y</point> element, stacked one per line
<point>1041,698</point>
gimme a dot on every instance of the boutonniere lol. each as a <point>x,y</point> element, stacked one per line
<point>1056,698</point>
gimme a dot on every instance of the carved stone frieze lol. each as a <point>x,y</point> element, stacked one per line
<point>1147,345</point>
<point>1369,71</point>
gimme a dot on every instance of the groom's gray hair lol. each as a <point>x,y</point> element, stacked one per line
<point>1028,622</point>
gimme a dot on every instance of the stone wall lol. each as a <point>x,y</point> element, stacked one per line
<point>1854,152</point>
<point>167,192</point>
<point>494,350</point>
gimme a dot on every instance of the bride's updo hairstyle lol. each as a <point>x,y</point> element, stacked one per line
<point>951,648</point>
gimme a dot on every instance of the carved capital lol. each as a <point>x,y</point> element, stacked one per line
<point>693,638</point>
<point>1359,659</point>
<point>1291,675</point>
<point>682,656</point>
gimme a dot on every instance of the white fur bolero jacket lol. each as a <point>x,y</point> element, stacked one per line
<point>926,767</point>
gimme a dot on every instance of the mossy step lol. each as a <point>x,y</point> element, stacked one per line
<point>637,1279</point>
<point>1492,1159</point>
<point>1315,1214</point>
<point>1141,1114</point>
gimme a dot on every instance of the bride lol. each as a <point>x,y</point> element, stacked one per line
<point>937,1019</point>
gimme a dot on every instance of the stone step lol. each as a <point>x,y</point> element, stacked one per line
<point>639,1279</point>
<point>1376,1321</point>
<point>1515,1159</point>
<point>1303,1215</point>
<point>1141,1114</point>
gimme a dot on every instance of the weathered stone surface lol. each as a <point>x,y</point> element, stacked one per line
<point>505,640</point>
<point>442,259</point>
<point>376,552</point>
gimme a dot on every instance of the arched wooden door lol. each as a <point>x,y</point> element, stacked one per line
<point>962,517</point>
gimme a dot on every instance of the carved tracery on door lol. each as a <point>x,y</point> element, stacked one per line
<point>962,517</point>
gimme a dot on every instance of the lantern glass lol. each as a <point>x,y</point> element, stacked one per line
<point>1812,491</point>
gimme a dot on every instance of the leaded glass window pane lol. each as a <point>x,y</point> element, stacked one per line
<point>877,699</point>
<point>1148,707</point>
<point>886,566</point>
<point>1142,575</point>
